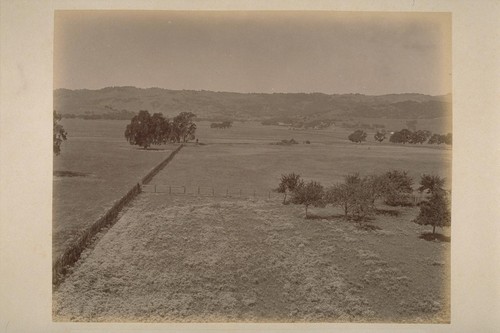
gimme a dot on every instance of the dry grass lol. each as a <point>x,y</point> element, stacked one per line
<point>183,258</point>
<point>192,259</point>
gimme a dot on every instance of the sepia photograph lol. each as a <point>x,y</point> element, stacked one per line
<point>251,166</point>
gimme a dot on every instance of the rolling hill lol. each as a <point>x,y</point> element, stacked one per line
<point>122,101</point>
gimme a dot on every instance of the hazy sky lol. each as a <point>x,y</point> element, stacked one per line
<point>328,52</point>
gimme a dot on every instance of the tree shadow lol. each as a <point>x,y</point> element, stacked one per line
<point>325,217</point>
<point>388,212</point>
<point>429,236</point>
<point>65,173</point>
<point>154,149</point>
<point>367,227</point>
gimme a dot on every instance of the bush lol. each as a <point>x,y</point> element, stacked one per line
<point>357,136</point>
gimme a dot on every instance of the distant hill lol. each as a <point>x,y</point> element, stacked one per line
<point>120,102</point>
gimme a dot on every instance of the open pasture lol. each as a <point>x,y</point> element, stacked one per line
<point>199,259</point>
<point>258,167</point>
<point>96,167</point>
<point>203,259</point>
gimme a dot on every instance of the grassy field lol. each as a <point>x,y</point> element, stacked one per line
<point>200,259</point>
<point>195,258</point>
<point>247,161</point>
<point>96,167</point>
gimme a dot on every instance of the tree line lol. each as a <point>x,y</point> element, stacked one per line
<point>145,129</point>
<point>404,136</point>
<point>358,196</point>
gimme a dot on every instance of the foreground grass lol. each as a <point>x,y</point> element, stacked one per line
<point>193,259</point>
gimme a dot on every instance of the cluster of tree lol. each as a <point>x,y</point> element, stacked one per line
<point>115,115</point>
<point>224,124</point>
<point>404,136</point>
<point>58,132</point>
<point>407,136</point>
<point>420,136</point>
<point>357,196</point>
<point>145,130</point>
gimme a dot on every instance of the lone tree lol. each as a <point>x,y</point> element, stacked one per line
<point>59,134</point>
<point>379,136</point>
<point>357,136</point>
<point>435,211</point>
<point>288,184</point>
<point>309,194</point>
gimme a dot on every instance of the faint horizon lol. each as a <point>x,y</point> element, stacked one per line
<point>251,92</point>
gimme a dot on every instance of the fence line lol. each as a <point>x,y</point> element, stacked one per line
<point>147,178</point>
<point>208,191</point>
<point>73,252</point>
<point>232,192</point>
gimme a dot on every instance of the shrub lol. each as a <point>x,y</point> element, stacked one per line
<point>357,136</point>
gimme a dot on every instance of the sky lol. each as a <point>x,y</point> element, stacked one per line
<point>252,51</point>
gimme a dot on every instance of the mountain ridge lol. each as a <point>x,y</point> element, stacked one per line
<point>250,106</point>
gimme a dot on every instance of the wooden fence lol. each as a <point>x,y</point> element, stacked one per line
<point>209,191</point>
<point>234,192</point>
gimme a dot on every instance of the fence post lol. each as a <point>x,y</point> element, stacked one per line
<point>170,189</point>
<point>155,188</point>
<point>240,192</point>
<point>227,192</point>
<point>184,187</point>
<point>254,194</point>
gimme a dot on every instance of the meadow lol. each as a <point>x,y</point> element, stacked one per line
<point>245,258</point>
<point>243,157</point>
